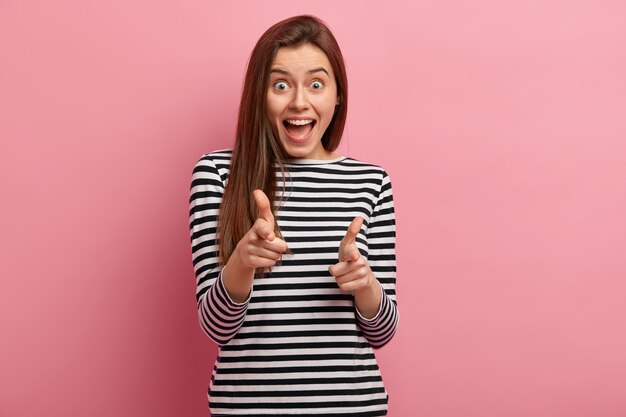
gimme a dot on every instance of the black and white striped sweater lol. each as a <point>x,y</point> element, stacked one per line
<point>298,345</point>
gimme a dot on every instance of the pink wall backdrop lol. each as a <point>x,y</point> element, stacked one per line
<point>502,125</point>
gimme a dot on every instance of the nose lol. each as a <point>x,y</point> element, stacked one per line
<point>299,100</point>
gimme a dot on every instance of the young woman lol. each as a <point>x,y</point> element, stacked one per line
<point>293,244</point>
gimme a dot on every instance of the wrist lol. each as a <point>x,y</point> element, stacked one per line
<point>238,260</point>
<point>238,267</point>
<point>372,288</point>
<point>237,277</point>
<point>368,299</point>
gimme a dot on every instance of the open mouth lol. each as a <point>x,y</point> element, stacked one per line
<point>299,129</point>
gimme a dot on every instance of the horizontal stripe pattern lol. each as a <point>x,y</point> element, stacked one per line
<point>298,345</point>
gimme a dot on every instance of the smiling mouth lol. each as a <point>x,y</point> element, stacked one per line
<point>299,129</point>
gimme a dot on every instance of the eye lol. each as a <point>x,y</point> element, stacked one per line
<point>316,85</point>
<point>280,85</point>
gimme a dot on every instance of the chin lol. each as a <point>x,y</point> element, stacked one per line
<point>298,153</point>
<point>303,151</point>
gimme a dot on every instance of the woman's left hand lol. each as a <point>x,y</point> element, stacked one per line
<point>352,272</point>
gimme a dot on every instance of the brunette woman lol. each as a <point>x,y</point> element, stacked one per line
<point>293,244</point>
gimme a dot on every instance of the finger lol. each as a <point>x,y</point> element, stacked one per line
<point>343,268</point>
<point>260,251</point>
<point>358,274</point>
<point>277,245</point>
<point>355,274</point>
<point>264,229</point>
<point>349,253</point>
<point>260,262</point>
<point>263,204</point>
<point>353,254</point>
<point>339,269</point>
<point>354,284</point>
<point>352,232</point>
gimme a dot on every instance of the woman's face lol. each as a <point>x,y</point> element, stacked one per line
<point>301,100</point>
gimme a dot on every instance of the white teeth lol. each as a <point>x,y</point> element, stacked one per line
<point>299,122</point>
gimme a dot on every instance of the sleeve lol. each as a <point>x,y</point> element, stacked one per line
<point>220,317</point>
<point>381,238</point>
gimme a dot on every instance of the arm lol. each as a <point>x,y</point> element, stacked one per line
<point>381,237</point>
<point>372,280</point>
<point>219,315</point>
<point>259,248</point>
<point>223,294</point>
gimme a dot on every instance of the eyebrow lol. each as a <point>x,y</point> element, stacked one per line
<point>311,71</point>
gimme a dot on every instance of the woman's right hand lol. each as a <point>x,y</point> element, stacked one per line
<point>260,248</point>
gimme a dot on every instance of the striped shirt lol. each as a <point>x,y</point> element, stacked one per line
<point>298,345</point>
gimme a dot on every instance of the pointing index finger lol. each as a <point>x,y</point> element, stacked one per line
<point>353,231</point>
<point>263,204</point>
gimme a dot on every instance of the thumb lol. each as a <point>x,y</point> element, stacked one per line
<point>352,232</point>
<point>263,204</point>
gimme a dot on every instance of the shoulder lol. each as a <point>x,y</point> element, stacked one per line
<point>363,167</point>
<point>219,157</point>
<point>375,174</point>
<point>215,163</point>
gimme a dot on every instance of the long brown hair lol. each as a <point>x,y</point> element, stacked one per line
<point>257,150</point>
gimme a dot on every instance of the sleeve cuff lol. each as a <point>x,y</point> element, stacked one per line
<point>229,300</point>
<point>378,313</point>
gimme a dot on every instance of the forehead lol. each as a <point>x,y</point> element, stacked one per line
<point>301,58</point>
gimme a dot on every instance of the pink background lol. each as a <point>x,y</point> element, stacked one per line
<point>502,124</point>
